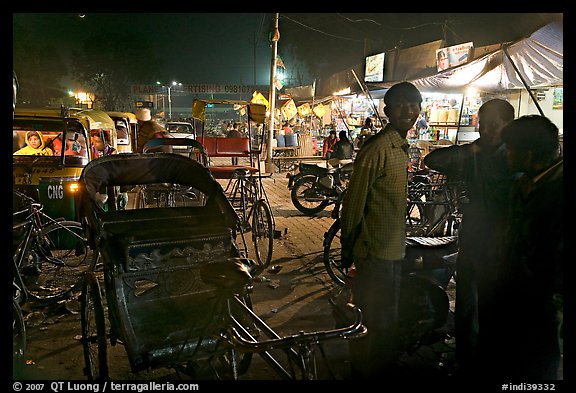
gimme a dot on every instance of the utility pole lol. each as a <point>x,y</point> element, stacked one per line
<point>269,165</point>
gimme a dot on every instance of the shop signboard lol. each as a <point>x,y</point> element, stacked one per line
<point>453,56</point>
<point>374,68</point>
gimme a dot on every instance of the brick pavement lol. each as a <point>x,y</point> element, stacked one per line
<point>294,299</point>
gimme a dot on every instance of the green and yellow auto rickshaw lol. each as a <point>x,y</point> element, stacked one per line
<point>50,148</point>
<point>126,130</point>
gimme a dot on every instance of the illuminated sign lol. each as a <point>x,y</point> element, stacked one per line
<point>374,68</point>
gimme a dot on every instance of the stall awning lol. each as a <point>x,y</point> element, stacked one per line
<point>539,58</point>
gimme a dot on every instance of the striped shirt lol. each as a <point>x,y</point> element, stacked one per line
<point>374,207</point>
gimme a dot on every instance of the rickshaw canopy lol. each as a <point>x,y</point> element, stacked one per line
<point>256,112</point>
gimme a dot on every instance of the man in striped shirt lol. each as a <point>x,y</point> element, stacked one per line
<point>374,232</point>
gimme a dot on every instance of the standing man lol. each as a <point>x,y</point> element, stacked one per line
<point>482,170</point>
<point>521,302</point>
<point>148,129</point>
<point>374,233</point>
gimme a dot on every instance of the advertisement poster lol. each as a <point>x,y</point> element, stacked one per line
<point>558,99</point>
<point>374,68</point>
<point>453,56</point>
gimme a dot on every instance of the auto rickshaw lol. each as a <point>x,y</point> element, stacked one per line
<point>49,174</point>
<point>126,130</point>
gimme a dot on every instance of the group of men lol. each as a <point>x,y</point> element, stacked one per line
<point>509,280</point>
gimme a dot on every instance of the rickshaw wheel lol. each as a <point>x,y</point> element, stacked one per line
<point>262,233</point>
<point>93,329</point>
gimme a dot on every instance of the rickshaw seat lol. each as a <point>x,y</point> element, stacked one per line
<point>227,171</point>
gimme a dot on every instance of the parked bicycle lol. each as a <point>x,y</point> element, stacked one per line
<point>432,207</point>
<point>426,274</point>
<point>247,195</point>
<point>50,255</point>
<point>431,211</point>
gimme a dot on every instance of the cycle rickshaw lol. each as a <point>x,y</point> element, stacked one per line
<point>242,180</point>
<point>176,288</point>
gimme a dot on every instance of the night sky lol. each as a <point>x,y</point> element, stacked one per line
<point>234,47</point>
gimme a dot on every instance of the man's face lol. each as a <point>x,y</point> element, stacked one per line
<point>403,114</point>
<point>34,141</point>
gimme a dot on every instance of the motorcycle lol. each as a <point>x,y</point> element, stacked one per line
<point>315,187</point>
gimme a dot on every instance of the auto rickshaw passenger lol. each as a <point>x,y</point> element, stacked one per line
<point>34,145</point>
<point>100,147</point>
<point>74,147</point>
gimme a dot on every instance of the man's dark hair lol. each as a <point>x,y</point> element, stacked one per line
<point>499,107</point>
<point>402,90</point>
<point>343,135</point>
<point>532,133</point>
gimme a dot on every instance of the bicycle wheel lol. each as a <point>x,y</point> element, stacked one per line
<point>93,330</point>
<point>262,233</point>
<point>18,340</point>
<point>333,255</point>
<point>301,190</point>
<point>415,219</point>
<point>56,261</point>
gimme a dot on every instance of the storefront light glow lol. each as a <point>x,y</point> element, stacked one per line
<point>342,92</point>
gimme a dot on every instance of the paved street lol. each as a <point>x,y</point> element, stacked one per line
<point>296,298</point>
<point>291,297</point>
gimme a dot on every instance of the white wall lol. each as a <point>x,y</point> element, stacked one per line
<point>524,105</point>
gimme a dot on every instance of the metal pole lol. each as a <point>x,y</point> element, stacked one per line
<point>169,104</point>
<point>367,94</point>
<point>505,49</point>
<point>272,96</point>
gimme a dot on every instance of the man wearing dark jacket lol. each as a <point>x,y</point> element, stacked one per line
<point>482,170</point>
<point>343,151</point>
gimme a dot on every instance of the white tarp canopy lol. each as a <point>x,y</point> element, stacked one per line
<point>539,58</point>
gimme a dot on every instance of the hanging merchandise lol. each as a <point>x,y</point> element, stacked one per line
<point>319,110</point>
<point>304,110</point>
<point>258,98</point>
<point>289,109</point>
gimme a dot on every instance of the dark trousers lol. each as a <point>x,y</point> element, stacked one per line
<point>466,315</point>
<point>376,291</point>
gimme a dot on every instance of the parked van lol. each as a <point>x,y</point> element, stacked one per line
<point>49,173</point>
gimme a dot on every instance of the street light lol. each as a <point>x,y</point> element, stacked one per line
<point>170,98</point>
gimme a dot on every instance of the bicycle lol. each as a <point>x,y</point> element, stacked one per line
<point>427,272</point>
<point>248,198</point>
<point>171,195</point>
<point>49,255</point>
<point>426,198</point>
<point>18,338</point>
<point>244,190</point>
<point>432,208</point>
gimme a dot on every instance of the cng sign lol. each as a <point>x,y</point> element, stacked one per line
<point>55,191</point>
